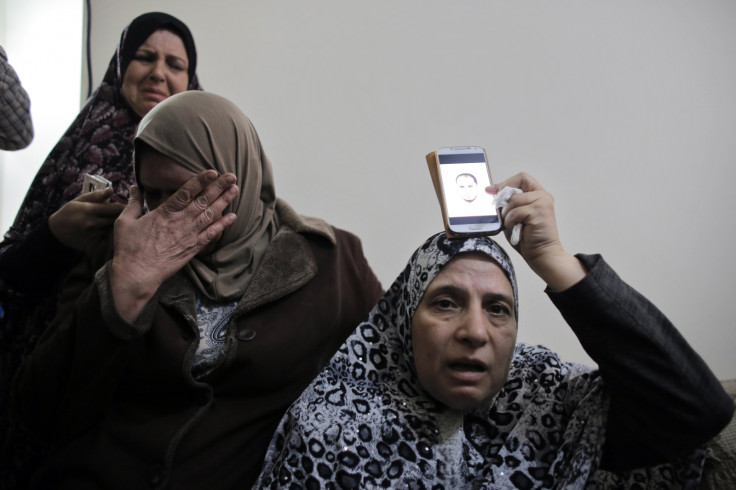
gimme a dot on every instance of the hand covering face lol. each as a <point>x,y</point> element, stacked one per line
<point>203,131</point>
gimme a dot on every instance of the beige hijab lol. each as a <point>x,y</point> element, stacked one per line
<point>201,131</point>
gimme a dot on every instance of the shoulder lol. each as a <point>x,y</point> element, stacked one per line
<point>533,356</point>
<point>307,226</point>
<point>315,230</point>
<point>331,247</point>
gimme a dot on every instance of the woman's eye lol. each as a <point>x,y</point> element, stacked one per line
<point>444,303</point>
<point>176,63</point>
<point>498,309</point>
<point>143,57</point>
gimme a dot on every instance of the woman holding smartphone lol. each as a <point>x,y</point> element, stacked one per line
<point>432,390</point>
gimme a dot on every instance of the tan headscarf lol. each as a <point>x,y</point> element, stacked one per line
<point>200,131</point>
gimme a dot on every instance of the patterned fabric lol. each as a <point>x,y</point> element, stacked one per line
<point>212,320</point>
<point>720,462</point>
<point>99,141</point>
<point>16,127</point>
<point>366,422</point>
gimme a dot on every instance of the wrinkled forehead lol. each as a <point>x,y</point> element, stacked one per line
<point>439,250</point>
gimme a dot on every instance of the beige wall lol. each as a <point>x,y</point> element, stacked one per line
<point>625,111</point>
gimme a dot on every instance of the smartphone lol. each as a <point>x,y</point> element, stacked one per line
<point>464,175</point>
<point>94,183</point>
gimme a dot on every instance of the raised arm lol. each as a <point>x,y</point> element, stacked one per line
<point>664,399</point>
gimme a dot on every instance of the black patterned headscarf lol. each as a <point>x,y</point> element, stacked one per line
<point>100,140</point>
<point>366,422</point>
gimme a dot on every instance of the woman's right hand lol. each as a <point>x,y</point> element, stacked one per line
<point>151,247</point>
<point>82,222</point>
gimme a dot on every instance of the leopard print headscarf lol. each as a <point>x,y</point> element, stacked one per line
<point>366,422</point>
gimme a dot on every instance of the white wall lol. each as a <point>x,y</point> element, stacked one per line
<point>43,40</point>
<point>625,111</point>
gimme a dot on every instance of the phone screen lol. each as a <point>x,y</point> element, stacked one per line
<point>465,177</point>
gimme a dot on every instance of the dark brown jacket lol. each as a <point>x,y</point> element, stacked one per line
<point>120,403</point>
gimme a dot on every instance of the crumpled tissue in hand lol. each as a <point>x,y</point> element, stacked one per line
<point>501,199</point>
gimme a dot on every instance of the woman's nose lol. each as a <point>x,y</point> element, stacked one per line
<point>473,328</point>
<point>158,72</point>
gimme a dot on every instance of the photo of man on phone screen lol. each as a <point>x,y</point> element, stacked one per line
<point>464,186</point>
<point>467,184</point>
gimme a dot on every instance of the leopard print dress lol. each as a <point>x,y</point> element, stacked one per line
<point>366,422</point>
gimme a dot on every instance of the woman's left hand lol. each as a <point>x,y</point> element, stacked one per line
<point>540,242</point>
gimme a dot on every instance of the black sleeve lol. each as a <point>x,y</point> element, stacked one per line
<point>66,383</point>
<point>665,401</point>
<point>37,264</point>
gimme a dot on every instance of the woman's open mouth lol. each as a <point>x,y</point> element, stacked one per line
<point>467,370</point>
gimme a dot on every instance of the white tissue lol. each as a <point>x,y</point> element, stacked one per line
<point>502,198</point>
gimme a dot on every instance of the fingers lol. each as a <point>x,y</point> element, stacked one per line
<point>134,208</point>
<point>199,206</point>
<point>217,195</point>
<point>190,191</point>
<point>532,191</point>
<point>204,197</point>
<point>213,232</point>
<point>107,211</point>
<point>98,196</point>
<point>100,210</point>
<point>211,221</point>
<point>135,195</point>
<point>203,193</point>
<point>101,215</point>
<point>525,206</point>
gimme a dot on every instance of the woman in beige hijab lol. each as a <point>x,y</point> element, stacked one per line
<point>220,303</point>
<point>224,273</point>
